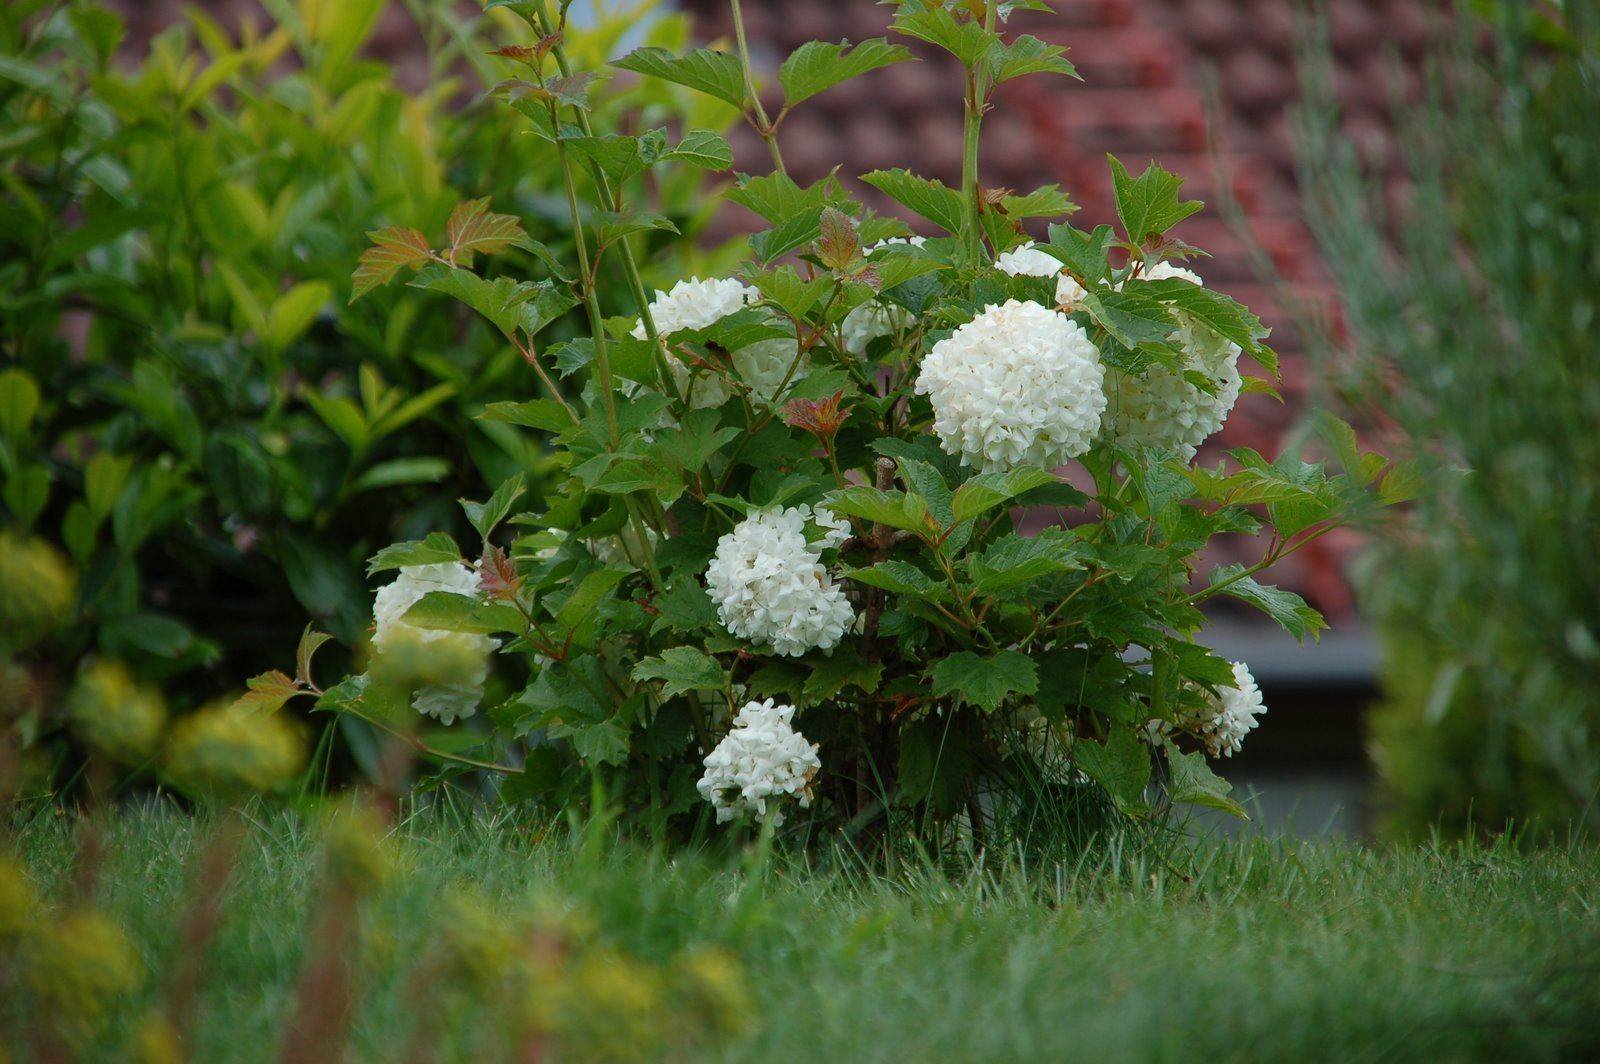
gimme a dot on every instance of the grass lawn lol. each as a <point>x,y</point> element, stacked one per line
<point>1240,950</point>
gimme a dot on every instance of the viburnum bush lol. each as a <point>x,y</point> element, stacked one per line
<point>784,570</point>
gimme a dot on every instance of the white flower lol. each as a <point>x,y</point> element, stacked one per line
<point>1027,260</point>
<point>761,758</point>
<point>1018,384</point>
<point>695,304</point>
<point>835,529</point>
<point>1231,714</point>
<point>460,659</point>
<point>1161,409</point>
<point>770,586</point>
<point>875,317</point>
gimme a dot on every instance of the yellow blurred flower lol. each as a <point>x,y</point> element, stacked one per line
<point>114,714</point>
<point>223,750</point>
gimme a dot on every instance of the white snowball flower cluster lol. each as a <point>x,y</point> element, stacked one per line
<point>1027,260</point>
<point>770,586</point>
<point>1232,714</point>
<point>762,758</point>
<point>1161,409</point>
<point>695,304</point>
<point>875,318</point>
<point>1020,383</point>
<point>457,662</point>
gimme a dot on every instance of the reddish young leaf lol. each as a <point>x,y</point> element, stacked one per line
<point>392,249</point>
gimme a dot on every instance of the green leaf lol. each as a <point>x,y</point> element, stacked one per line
<point>1287,608</point>
<point>1131,319</point>
<point>684,607</point>
<point>682,669</point>
<point>1194,782</point>
<point>19,402</point>
<point>702,148</point>
<point>462,613</point>
<point>1014,562</point>
<point>817,65</point>
<point>1028,55</point>
<point>776,197</point>
<point>501,300</point>
<point>714,73</point>
<point>435,549</point>
<point>400,471</point>
<point>311,641</point>
<point>1214,310</point>
<point>1048,201</point>
<point>895,509</point>
<point>931,199</point>
<point>787,235</point>
<point>825,679</point>
<point>896,577</point>
<point>611,226</point>
<point>293,312</point>
<point>546,414</point>
<point>1148,204</point>
<point>966,39</point>
<point>486,516</point>
<point>1121,765</point>
<point>988,490</point>
<point>985,682</point>
<point>1085,254</point>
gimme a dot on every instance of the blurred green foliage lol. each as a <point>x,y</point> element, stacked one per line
<point>1472,319</point>
<point>189,410</point>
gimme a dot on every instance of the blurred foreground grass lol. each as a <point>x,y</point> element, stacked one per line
<point>1242,949</point>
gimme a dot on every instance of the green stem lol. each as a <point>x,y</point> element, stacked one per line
<point>977,95</point>
<point>764,126</point>
<point>611,200</point>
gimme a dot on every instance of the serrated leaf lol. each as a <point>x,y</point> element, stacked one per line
<point>776,197</point>
<point>1014,561</point>
<point>684,607</point>
<point>1131,319</point>
<point>266,693</point>
<point>437,548</point>
<point>895,509</point>
<point>896,577</point>
<point>818,65</point>
<point>988,490</point>
<point>828,677</point>
<point>392,249</point>
<point>611,226</point>
<point>985,682</point>
<point>714,73</point>
<point>1194,782</point>
<point>966,39</point>
<point>681,670</point>
<point>1028,55</point>
<point>474,230</point>
<point>1085,254</point>
<point>1121,765</point>
<point>546,414</point>
<point>448,611</point>
<point>931,199</point>
<point>486,516</point>
<point>1047,201</point>
<point>1148,204</point>
<point>500,301</point>
<point>1285,607</point>
<point>702,148</point>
